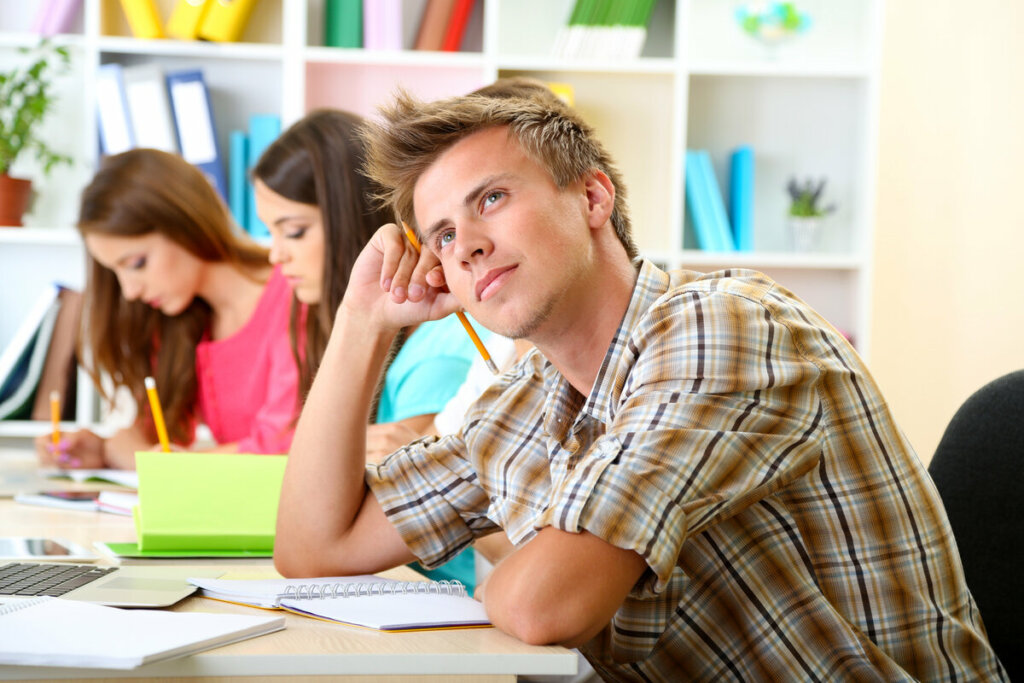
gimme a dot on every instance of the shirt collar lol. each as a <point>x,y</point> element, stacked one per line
<point>650,284</point>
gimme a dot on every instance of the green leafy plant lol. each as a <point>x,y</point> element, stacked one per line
<point>26,97</point>
<point>805,198</point>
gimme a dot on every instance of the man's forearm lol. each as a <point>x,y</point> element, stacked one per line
<point>324,484</point>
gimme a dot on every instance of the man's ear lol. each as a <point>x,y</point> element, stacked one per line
<point>600,197</point>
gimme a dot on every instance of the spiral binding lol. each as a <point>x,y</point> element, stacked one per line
<point>314,591</point>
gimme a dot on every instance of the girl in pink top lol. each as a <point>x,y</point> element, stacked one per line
<point>175,292</point>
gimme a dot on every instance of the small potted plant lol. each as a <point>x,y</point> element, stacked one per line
<point>26,98</point>
<point>806,212</point>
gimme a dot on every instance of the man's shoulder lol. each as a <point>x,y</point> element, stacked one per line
<point>736,281</point>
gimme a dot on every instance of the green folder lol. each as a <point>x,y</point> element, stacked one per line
<point>207,504</point>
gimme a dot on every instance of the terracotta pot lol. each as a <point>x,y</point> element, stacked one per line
<point>14,196</point>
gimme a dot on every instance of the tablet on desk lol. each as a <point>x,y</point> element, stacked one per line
<point>16,548</point>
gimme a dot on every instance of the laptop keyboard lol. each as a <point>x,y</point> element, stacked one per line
<point>23,578</point>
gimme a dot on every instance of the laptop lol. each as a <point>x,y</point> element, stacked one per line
<point>131,586</point>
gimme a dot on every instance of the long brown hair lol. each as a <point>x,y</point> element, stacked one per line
<point>317,161</point>
<point>135,193</point>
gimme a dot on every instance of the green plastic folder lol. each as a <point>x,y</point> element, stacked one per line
<point>202,504</point>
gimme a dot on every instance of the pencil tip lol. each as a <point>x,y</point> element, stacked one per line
<point>493,368</point>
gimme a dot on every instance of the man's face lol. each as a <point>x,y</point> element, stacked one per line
<point>511,243</point>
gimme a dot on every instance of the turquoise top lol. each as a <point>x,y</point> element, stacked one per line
<point>426,373</point>
<point>428,370</point>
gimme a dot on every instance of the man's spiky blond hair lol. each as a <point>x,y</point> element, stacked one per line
<point>413,134</point>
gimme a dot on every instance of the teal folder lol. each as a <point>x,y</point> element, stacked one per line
<point>263,129</point>
<point>238,181</point>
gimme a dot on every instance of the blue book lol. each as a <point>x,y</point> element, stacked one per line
<point>697,204</point>
<point>263,129</point>
<point>193,120</point>
<point>238,180</point>
<point>741,197</point>
<point>719,218</point>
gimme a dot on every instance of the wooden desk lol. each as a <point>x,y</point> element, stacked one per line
<point>307,648</point>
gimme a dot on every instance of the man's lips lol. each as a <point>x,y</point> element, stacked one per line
<point>492,281</point>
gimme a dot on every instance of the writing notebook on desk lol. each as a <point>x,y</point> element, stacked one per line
<point>366,601</point>
<point>56,632</point>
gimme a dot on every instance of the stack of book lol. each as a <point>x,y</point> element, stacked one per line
<point>713,228</point>
<point>398,24</point>
<point>141,106</point>
<point>246,147</point>
<point>605,29</point>
<point>213,20</point>
<point>40,358</point>
<point>56,16</point>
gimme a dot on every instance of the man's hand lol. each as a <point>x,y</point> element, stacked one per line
<point>392,286</point>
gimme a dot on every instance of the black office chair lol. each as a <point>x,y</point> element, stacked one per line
<point>979,470</point>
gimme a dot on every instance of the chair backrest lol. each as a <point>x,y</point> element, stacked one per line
<point>979,470</point>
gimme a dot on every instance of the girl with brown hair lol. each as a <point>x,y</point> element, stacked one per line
<point>175,292</point>
<point>320,213</point>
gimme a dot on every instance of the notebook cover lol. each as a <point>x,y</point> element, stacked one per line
<point>207,501</point>
<point>133,550</point>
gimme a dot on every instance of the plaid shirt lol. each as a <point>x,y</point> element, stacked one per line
<point>738,443</point>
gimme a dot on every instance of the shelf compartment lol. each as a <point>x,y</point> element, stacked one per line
<point>361,88</point>
<point>803,128</point>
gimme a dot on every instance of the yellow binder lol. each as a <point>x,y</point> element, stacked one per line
<point>225,20</point>
<point>143,17</point>
<point>186,19</point>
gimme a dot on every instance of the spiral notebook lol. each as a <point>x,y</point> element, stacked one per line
<point>366,601</point>
<point>57,632</point>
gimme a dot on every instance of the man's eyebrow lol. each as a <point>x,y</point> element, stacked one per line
<point>468,200</point>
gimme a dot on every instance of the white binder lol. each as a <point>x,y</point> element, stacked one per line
<point>149,107</point>
<point>116,133</point>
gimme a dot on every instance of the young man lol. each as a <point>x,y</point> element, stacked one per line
<point>700,476</point>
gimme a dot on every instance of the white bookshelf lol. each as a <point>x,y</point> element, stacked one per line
<point>809,109</point>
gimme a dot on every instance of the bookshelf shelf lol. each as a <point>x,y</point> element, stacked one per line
<point>808,108</point>
<point>42,235</point>
<point>629,66</point>
<point>809,262</point>
<point>191,49</point>
<point>337,55</point>
<point>744,69</point>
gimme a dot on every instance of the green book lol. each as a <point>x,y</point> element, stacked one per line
<point>343,23</point>
<point>202,504</point>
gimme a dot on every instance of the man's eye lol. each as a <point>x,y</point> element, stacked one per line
<point>492,197</point>
<point>138,263</point>
<point>446,238</point>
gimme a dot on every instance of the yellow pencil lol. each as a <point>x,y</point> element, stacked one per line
<point>158,415</point>
<point>55,417</point>
<point>462,316</point>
